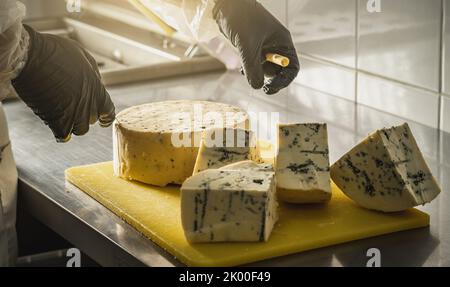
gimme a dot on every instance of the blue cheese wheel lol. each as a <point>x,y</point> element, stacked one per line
<point>157,143</point>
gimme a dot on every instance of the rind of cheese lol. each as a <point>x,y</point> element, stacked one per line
<point>249,165</point>
<point>143,138</point>
<point>220,147</point>
<point>302,164</point>
<point>386,172</point>
<point>229,205</point>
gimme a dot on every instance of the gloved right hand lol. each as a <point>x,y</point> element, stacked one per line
<point>62,85</point>
<point>255,32</point>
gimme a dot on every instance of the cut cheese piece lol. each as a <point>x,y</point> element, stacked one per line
<point>220,147</point>
<point>248,165</point>
<point>302,165</point>
<point>157,143</point>
<point>228,205</point>
<point>386,172</point>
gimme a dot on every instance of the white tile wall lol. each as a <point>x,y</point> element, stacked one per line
<point>277,8</point>
<point>445,113</point>
<point>445,150</point>
<point>402,41</point>
<point>327,78</point>
<point>400,100</point>
<point>446,78</point>
<point>317,106</point>
<point>324,28</point>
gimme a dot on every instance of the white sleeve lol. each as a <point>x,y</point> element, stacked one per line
<point>13,43</point>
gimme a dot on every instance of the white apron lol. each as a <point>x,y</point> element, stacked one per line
<point>8,197</point>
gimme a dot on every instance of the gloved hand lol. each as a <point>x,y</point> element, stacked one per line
<point>255,32</point>
<point>61,84</point>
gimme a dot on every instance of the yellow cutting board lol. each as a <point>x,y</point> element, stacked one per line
<point>155,212</point>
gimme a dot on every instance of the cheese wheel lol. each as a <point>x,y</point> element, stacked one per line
<point>157,143</point>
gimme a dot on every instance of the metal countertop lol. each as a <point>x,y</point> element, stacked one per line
<point>112,242</point>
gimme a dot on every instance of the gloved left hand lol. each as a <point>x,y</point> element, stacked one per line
<point>62,85</point>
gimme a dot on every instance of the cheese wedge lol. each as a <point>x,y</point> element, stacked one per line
<point>386,172</point>
<point>302,166</point>
<point>158,143</point>
<point>229,205</point>
<point>220,147</point>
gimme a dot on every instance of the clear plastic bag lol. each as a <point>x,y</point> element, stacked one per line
<point>194,19</point>
<point>199,18</point>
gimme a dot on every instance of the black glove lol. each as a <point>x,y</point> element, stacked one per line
<point>255,32</point>
<point>61,84</point>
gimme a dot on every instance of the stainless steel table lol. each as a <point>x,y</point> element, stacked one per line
<point>112,242</point>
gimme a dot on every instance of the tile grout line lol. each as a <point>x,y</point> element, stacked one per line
<point>441,63</point>
<point>356,64</point>
<point>441,79</point>
<point>324,61</point>
<point>441,82</point>
<point>367,73</point>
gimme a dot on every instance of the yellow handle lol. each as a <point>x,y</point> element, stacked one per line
<point>153,17</point>
<point>277,59</point>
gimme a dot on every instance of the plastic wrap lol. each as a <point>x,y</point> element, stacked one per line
<point>199,18</point>
<point>190,17</point>
<point>13,43</point>
<point>194,18</point>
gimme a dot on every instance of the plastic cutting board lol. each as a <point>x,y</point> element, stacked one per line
<point>155,212</point>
